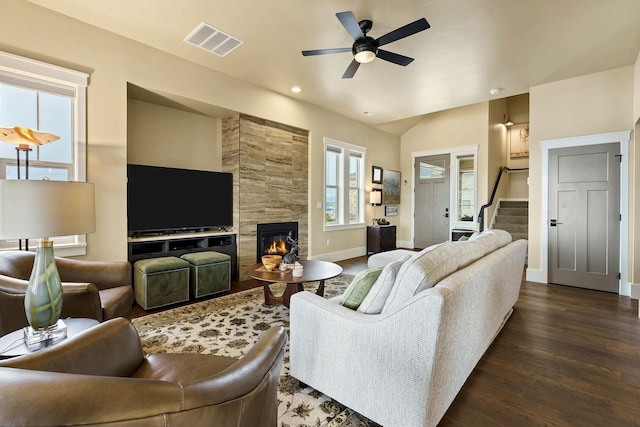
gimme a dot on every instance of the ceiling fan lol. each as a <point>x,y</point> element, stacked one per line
<point>366,49</point>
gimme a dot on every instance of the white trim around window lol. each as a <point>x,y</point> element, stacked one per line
<point>38,75</point>
<point>341,209</point>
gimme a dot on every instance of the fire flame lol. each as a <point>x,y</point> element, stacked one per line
<point>277,247</point>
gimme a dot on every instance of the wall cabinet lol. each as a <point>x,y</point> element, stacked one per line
<point>381,238</point>
<point>180,244</point>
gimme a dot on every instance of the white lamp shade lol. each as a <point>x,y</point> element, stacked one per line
<point>375,197</point>
<point>37,209</point>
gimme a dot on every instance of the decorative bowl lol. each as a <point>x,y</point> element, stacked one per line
<point>271,262</point>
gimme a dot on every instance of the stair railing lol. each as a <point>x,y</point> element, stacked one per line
<point>493,194</point>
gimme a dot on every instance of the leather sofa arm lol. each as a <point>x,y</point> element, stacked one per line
<point>80,300</point>
<point>101,273</point>
<point>40,398</point>
<point>111,348</point>
<point>263,360</point>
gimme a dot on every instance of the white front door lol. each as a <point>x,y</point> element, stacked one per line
<point>431,215</point>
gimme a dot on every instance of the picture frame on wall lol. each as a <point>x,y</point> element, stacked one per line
<point>519,140</point>
<point>390,211</point>
<point>376,175</point>
<point>391,188</point>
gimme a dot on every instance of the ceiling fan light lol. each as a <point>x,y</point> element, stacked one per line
<point>365,56</point>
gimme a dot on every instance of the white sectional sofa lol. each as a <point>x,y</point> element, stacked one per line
<point>403,366</point>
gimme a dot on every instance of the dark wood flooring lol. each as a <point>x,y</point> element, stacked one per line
<point>566,357</point>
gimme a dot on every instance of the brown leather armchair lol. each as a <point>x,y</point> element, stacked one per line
<point>102,377</point>
<point>93,289</point>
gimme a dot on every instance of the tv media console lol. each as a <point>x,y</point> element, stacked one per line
<point>179,244</point>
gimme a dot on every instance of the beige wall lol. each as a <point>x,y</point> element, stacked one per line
<point>462,126</point>
<point>162,136</point>
<point>113,61</point>
<point>496,157</point>
<point>592,104</point>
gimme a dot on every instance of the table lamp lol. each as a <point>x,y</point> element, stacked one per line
<point>24,139</point>
<point>42,209</point>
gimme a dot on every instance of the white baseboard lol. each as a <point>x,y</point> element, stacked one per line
<point>536,275</point>
<point>635,291</point>
<point>342,255</point>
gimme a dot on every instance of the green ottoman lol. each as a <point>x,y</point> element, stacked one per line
<point>210,273</point>
<point>161,281</point>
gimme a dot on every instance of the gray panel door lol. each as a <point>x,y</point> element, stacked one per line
<point>431,216</point>
<point>584,216</point>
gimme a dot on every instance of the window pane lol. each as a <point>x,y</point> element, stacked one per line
<point>331,205</point>
<point>355,182</point>
<point>18,107</point>
<point>55,118</point>
<point>354,205</point>
<point>466,189</point>
<point>432,169</point>
<point>354,171</point>
<point>332,165</point>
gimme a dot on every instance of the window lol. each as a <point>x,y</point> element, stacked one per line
<point>52,99</point>
<point>344,184</point>
<point>466,189</point>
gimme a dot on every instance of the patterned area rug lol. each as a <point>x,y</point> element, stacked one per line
<point>229,326</point>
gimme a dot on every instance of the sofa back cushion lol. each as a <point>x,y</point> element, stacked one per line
<point>435,263</point>
<point>377,296</point>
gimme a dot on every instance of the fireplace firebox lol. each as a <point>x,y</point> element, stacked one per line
<point>272,238</point>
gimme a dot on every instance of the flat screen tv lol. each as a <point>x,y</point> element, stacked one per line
<point>161,199</point>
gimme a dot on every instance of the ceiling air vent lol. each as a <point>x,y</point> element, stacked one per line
<point>213,40</point>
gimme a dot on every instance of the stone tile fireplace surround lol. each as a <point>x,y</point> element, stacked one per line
<point>270,166</point>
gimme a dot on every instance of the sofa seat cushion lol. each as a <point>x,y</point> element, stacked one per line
<point>359,287</point>
<point>377,296</point>
<point>436,262</point>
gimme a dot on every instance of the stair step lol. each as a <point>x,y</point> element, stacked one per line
<point>504,219</point>
<point>522,204</point>
<point>512,228</point>
<point>513,211</point>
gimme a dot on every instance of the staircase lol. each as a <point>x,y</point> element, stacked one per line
<point>513,216</point>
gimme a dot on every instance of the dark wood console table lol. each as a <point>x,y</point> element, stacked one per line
<point>381,238</point>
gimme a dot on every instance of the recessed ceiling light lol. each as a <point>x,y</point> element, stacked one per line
<point>296,89</point>
<point>495,91</point>
<point>367,113</point>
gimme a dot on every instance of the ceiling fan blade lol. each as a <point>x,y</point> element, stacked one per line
<point>351,69</point>
<point>402,32</point>
<point>350,23</point>
<point>394,57</point>
<point>325,51</point>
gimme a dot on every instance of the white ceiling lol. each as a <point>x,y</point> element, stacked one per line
<point>471,47</point>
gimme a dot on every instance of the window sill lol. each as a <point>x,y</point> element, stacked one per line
<point>62,250</point>
<point>341,227</point>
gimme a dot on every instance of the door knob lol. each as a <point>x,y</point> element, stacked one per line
<point>554,222</point>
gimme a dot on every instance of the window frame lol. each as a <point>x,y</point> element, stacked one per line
<point>37,75</point>
<point>347,151</point>
<point>469,152</point>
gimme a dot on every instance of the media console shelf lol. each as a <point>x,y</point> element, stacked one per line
<point>180,244</point>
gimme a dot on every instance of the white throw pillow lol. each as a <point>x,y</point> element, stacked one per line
<point>377,296</point>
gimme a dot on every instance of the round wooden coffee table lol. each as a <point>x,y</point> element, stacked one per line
<point>314,271</point>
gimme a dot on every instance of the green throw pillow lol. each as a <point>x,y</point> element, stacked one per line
<point>360,287</point>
